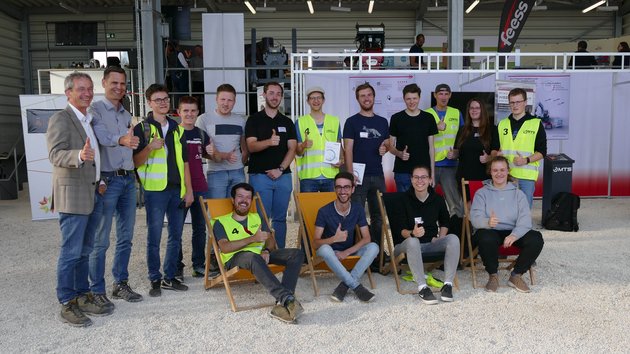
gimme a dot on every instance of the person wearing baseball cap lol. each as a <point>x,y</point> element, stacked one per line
<point>313,131</point>
<point>448,120</point>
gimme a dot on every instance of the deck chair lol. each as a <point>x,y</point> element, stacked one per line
<point>507,256</point>
<point>213,208</point>
<point>389,207</point>
<point>308,204</point>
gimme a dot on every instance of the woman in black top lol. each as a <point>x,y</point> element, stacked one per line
<point>472,143</point>
<point>621,48</point>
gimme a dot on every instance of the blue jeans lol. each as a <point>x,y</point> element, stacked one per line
<point>198,234</point>
<point>77,240</point>
<point>157,205</point>
<point>275,196</point>
<point>352,279</point>
<point>118,200</point>
<point>528,187</point>
<point>220,183</point>
<point>403,181</point>
<point>367,191</point>
<point>317,185</point>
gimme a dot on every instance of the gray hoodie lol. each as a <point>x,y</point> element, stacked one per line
<point>509,205</point>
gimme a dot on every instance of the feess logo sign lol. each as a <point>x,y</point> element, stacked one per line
<point>510,32</point>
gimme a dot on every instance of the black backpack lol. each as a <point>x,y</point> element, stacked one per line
<point>563,212</point>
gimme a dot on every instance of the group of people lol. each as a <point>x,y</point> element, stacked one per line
<point>97,155</point>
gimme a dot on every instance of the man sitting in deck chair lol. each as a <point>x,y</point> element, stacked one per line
<point>334,239</point>
<point>243,241</point>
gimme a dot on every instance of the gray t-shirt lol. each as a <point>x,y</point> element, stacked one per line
<point>225,133</point>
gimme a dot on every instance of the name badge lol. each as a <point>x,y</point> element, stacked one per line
<point>363,135</point>
<point>282,130</point>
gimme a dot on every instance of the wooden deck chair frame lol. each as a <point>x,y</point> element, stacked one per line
<point>213,208</point>
<point>387,240</point>
<point>471,260</point>
<point>307,205</point>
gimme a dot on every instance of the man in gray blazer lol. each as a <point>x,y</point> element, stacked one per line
<point>76,165</point>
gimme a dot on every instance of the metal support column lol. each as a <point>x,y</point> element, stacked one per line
<point>456,32</point>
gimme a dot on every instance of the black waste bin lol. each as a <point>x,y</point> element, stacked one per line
<point>557,177</point>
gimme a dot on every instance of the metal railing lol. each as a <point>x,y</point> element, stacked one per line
<point>13,153</point>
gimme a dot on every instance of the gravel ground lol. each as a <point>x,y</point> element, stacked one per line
<point>581,302</point>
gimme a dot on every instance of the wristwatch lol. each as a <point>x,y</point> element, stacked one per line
<point>281,168</point>
<point>527,158</point>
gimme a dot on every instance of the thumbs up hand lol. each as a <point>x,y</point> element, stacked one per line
<point>519,160</point>
<point>129,140</point>
<point>340,235</point>
<point>382,149</point>
<point>210,149</point>
<point>232,157</point>
<point>493,221</point>
<point>441,126</point>
<point>404,154</point>
<point>484,158</point>
<point>275,139</point>
<point>451,154</point>
<point>87,153</point>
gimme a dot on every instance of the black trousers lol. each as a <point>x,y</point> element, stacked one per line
<point>489,240</point>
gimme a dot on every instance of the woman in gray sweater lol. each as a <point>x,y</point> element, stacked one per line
<point>500,213</point>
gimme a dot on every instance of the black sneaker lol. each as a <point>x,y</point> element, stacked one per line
<point>87,303</point>
<point>426,295</point>
<point>102,300</point>
<point>156,289</point>
<point>340,292</point>
<point>173,284</point>
<point>179,275</point>
<point>72,315</point>
<point>123,291</point>
<point>446,293</point>
<point>363,294</point>
<point>198,272</point>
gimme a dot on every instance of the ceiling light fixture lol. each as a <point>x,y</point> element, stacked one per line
<point>472,6</point>
<point>340,8</point>
<point>371,6</point>
<point>310,7</point>
<point>250,7</point>
<point>597,4</point>
<point>265,8</point>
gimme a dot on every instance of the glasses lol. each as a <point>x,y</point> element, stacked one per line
<point>162,100</point>
<point>343,188</point>
<point>418,178</point>
<point>316,98</point>
<point>514,103</point>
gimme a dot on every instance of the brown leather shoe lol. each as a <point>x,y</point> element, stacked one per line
<point>72,315</point>
<point>517,282</point>
<point>493,283</point>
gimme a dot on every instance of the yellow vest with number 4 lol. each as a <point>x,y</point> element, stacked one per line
<point>523,144</point>
<point>235,231</point>
<point>153,173</point>
<point>445,139</point>
<point>311,164</point>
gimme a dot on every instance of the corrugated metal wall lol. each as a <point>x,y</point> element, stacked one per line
<point>11,82</point>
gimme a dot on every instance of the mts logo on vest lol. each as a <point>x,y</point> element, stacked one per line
<point>527,131</point>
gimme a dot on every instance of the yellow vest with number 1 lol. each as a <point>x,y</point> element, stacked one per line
<point>311,163</point>
<point>445,139</point>
<point>524,144</point>
<point>235,231</point>
<point>154,172</point>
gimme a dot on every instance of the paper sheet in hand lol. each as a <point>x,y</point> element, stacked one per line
<point>332,150</point>
<point>359,171</point>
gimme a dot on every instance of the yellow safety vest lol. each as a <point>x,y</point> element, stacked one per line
<point>154,173</point>
<point>235,231</point>
<point>445,139</point>
<point>524,144</point>
<point>311,163</point>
